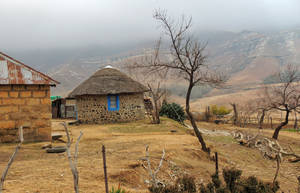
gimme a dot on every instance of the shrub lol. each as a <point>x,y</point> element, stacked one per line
<point>185,184</point>
<point>119,190</point>
<point>234,183</point>
<point>220,111</point>
<point>173,111</point>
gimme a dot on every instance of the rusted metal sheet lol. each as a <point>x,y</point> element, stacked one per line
<point>15,72</point>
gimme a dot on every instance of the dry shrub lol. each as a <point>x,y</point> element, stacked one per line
<point>185,184</point>
<point>234,183</point>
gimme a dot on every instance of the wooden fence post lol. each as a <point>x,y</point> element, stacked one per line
<point>298,184</point>
<point>104,167</point>
<point>217,163</point>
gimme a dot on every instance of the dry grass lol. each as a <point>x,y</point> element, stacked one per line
<point>35,171</point>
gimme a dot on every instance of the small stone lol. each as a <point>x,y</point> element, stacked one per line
<point>173,131</point>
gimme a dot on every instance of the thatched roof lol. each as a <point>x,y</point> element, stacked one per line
<point>108,80</point>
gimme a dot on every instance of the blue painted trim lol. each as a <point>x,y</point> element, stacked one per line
<point>117,103</point>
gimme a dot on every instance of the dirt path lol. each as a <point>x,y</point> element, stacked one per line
<point>211,132</point>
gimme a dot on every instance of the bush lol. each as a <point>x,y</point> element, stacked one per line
<point>220,111</point>
<point>119,190</point>
<point>234,183</point>
<point>185,184</point>
<point>173,111</point>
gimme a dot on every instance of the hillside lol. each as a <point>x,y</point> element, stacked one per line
<point>36,171</point>
<point>248,57</point>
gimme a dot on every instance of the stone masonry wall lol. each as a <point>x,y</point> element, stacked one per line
<point>28,106</point>
<point>93,109</point>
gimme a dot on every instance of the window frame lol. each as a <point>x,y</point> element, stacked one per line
<point>117,108</point>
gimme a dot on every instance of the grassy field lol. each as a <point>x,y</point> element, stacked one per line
<point>35,171</point>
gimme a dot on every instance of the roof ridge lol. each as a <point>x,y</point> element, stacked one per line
<point>108,81</point>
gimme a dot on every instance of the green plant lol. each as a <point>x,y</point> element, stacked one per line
<point>118,190</point>
<point>220,111</point>
<point>173,111</point>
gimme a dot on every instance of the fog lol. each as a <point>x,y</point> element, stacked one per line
<point>37,24</point>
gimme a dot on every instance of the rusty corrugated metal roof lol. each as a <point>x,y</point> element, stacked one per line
<point>13,71</point>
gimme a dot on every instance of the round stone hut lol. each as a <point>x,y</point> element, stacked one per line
<point>109,96</point>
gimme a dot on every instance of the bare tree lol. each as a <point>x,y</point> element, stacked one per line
<point>154,81</point>
<point>187,61</point>
<point>154,181</point>
<point>284,97</point>
<point>73,161</point>
<point>12,158</point>
<point>262,107</point>
<point>244,112</point>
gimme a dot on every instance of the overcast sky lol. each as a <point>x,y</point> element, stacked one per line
<point>32,24</point>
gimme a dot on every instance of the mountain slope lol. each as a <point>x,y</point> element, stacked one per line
<point>248,57</point>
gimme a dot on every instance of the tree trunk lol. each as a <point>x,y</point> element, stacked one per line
<point>282,124</point>
<point>235,116</point>
<point>262,117</point>
<point>207,114</point>
<point>271,122</point>
<point>196,130</point>
<point>296,121</point>
<point>156,119</point>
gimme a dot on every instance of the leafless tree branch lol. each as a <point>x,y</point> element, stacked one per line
<point>284,96</point>
<point>154,181</point>
<point>188,61</point>
<point>73,163</point>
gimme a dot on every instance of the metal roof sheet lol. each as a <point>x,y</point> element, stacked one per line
<point>13,71</point>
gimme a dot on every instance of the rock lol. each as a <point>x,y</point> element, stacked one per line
<point>173,131</point>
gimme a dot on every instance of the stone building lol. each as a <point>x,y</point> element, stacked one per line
<point>24,101</point>
<point>109,96</point>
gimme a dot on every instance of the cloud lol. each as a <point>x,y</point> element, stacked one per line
<point>34,24</point>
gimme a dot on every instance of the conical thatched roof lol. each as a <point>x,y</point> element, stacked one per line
<point>108,81</point>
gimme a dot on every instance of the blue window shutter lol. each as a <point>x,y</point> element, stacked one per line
<point>110,108</point>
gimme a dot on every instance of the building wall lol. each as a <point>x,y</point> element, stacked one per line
<point>93,109</point>
<point>28,106</point>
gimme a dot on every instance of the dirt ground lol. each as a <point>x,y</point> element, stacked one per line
<point>35,171</point>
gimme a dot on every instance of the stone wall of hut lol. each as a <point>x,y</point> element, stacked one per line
<point>28,106</point>
<point>93,108</point>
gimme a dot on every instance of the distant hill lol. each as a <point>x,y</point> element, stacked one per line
<point>248,57</point>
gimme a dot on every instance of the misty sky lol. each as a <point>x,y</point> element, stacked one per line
<point>33,24</point>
